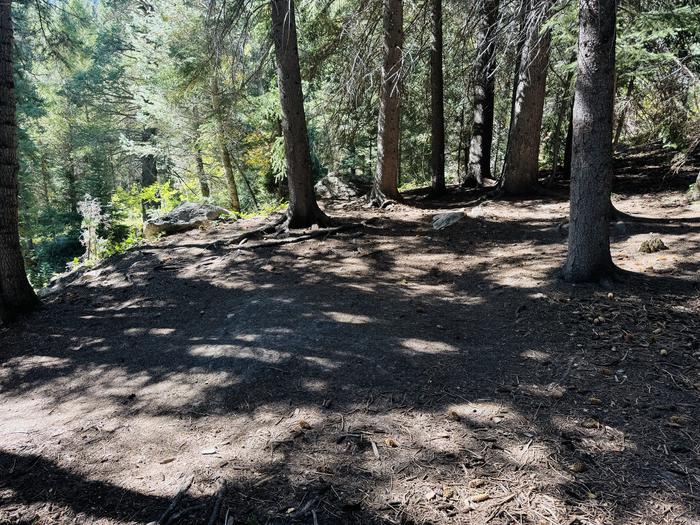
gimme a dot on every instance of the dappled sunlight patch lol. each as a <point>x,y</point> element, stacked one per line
<point>322,362</point>
<point>314,385</point>
<point>343,317</point>
<point>161,331</point>
<point>551,390</point>
<point>135,332</point>
<point>484,412</point>
<point>537,355</point>
<point>424,346</point>
<point>247,338</point>
<point>530,454</point>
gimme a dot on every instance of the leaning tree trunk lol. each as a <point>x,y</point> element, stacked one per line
<point>16,294</point>
<point>303,209</point>
<point>437,102</point>
<point>522,152</point>
<point>234,202</point>
<point>588,258</point>
<point>479,161</point>
<point>389,124</point>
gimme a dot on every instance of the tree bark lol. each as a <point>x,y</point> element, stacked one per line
<point>303,209</point>
<point>521,164</point>
<point>201,174</point>
<point>234,202</point>
<point>16,294</point>
<point>561,106</point>
<point>389,122</point>
<point>149,170</point>
<point>479,163</point>
<point>437,102</point>
<point>569,140</point>
<point>588,258</point>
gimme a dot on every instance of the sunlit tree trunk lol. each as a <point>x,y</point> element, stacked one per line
<point>521,164</point>
<point>234,203</point>
<point>16,294</point>
<point>437,102</point>
<point>389,124</point>
<point>479,161</point>
<point>303,209</point>
<point>588,258</point>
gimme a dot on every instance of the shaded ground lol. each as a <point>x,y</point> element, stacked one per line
<point>390,375</point>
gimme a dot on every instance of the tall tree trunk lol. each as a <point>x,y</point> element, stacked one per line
<point>201,174</point>
<point>149,170</point>
<point>16,294</point>
<point>71,178</point>
<point>389,122</point>
<point>45,181</point>
<point>623,112</point>
<point>522,152</point>
<point>234,202</point>
<point>569,140</point>
<point>437,102</point>
<point>479,163</point>
<point>561,106</point>
<point>303,209</point>
<point>588,258</point>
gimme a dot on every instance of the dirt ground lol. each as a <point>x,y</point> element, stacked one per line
<point>388,374</point>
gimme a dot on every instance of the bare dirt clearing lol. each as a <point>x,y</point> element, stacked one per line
<point>393,374</point>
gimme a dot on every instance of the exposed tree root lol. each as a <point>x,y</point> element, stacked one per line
<point>378,199</point>
<point>311,235</point>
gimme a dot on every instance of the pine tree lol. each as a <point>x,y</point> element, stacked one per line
<point>16,294</point>
<point>588,258</point>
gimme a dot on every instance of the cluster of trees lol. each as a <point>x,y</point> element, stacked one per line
<point>143,103</point>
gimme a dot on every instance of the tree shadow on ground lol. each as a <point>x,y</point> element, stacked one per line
<point>369,379</point>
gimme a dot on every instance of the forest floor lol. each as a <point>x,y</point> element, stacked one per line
<point>389,374</point>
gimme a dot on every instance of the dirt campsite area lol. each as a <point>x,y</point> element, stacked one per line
<point>389,373</point>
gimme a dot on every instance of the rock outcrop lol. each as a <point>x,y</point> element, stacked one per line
<point>187,216</point>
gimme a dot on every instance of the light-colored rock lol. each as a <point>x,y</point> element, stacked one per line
<point>443,220</point>
<point>332,186</point>
<point>187,216</point>
<point>477,211</point>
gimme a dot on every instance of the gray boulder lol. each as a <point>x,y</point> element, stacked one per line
<point>187,216</point>
<point>443,220</point>
<point>332,186</point>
